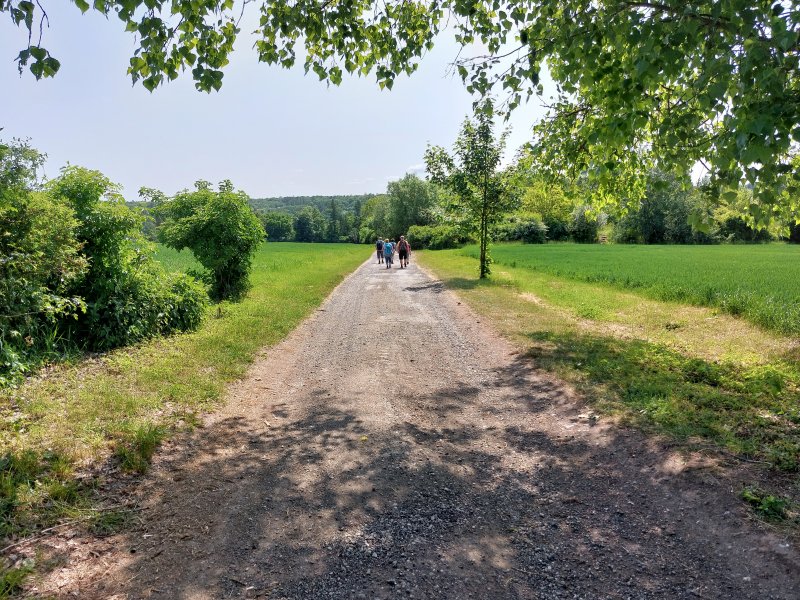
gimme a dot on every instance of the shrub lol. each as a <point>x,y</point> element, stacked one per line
<point>557,229</point>
<point>220,229</point>
<point>129,296</point>
<point>584,227</point>
<point>530,231</point>
<point>505,231</point>
<point>436,237</point>
<point>367,235</point>
<point>39,262</point>
<point>626,230</point>
<point>734,228</point>
<point>794,233</point>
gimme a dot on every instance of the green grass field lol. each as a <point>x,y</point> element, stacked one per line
<point>180,262</point>
<point>760,283</point>
<point>123,403</point>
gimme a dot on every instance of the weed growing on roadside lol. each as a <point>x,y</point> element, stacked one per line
<point>136,449</point>
<point>769,506</point>
<point>11,580</point>
<point>36,491</point>
<point>109,522</point>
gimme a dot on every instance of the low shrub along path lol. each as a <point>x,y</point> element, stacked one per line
<point>393,446</point>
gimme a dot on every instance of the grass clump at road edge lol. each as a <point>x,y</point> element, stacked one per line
<point>766,505</point>
<point>11,579</point>
<point>698,377</point>
<point>122,403</point>
<point>137,448</point>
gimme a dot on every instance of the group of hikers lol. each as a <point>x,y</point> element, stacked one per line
<point>387,248</point>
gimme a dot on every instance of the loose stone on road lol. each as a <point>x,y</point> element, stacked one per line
<point>393,446</point>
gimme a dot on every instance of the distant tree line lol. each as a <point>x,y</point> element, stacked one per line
<point>407,202</point>
<point>294,204</point>
<point>535,211</point>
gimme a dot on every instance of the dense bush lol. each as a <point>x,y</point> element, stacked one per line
<point>75,271</point>
<point>733,228</point>
<point>220,229</point>
<point>436,237</point>
<point>584,226</point>
<point>626,231</point>
<point>366,235</point>
<point>557,229</point>
<point>128,295</point>
<point>39,262</point>
<point>794,233</point>
<point>530,231</point>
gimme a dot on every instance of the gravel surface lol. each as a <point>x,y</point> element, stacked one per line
<point>394,447</point>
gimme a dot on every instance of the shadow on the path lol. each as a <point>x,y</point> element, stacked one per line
<point>437,287</point>
<point>489,501</point>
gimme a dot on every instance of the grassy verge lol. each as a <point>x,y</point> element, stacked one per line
<point>758,282</point>
<point>122,404</point>
<point>686,372</point>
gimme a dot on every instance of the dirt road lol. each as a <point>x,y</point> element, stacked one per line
<point>395,447</point>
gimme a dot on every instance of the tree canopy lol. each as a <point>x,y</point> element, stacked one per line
<point>639,83</point>
<point>220,229</point>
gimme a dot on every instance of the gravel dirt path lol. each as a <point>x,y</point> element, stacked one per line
<point>394,447</point>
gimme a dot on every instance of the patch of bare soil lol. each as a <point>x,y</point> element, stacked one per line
<point>393,446</point>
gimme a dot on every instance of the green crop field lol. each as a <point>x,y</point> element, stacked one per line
<point>175,261</point>
<point>760,283</point>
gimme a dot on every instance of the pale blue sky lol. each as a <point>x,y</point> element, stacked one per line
<point>272,132</point>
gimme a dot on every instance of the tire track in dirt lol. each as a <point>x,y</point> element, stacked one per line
<point>393,446</point>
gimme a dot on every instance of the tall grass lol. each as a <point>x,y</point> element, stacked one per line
<point>759,283</point>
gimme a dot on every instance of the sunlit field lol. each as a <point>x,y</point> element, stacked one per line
<point>758,282</point>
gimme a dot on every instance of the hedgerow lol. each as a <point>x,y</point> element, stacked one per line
<point>75,271</point>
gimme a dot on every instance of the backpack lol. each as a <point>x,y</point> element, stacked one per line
<point>379,245</point>
<point>402,246</point>
<point>387,249</point>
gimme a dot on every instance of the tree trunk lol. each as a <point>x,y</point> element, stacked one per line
<point>484,235</point>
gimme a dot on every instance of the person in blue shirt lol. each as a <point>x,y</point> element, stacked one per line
<point>388,253</point>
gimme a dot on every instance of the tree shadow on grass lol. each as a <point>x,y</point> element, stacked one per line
<point>751,411</point>
<point>488,499</point>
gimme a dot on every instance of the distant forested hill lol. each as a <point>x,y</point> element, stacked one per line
<point>293,204</point>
